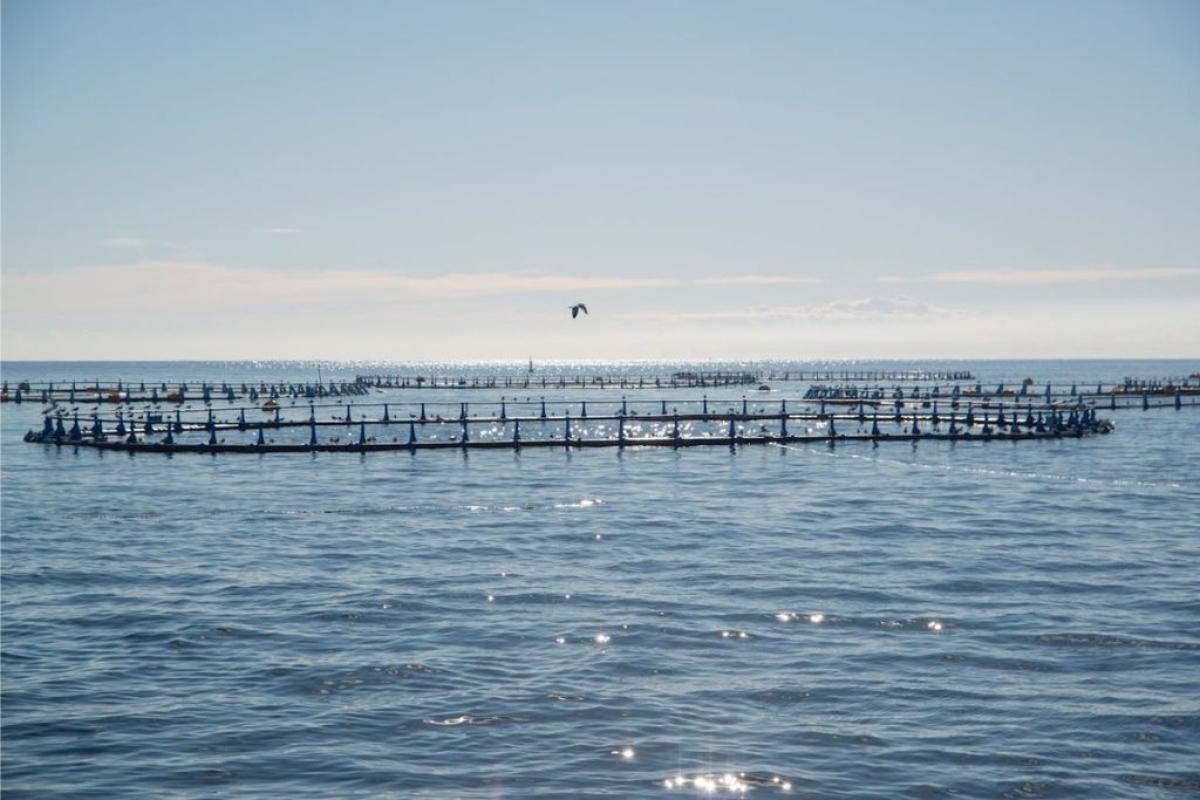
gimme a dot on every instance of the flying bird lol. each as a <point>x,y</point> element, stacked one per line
<point>575,309</point>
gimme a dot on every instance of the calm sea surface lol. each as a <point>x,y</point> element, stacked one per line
<point>970,620</point>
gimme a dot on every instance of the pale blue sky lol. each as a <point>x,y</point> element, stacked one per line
<point>440,180</point>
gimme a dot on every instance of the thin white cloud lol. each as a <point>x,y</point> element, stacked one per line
<point>865,309</point>
<point>279,231</point>
<point>188,284</point>
<point>126,242</point>
<point>1036,277</point>
<point>755,280</point>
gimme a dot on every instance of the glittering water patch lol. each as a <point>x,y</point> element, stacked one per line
<point>734,783</point>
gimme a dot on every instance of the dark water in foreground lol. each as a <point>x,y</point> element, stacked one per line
<point>996,620</point>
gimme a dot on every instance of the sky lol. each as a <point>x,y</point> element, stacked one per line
<point>441,180</point>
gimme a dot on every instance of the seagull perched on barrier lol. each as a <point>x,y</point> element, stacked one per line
<point>575,309</point>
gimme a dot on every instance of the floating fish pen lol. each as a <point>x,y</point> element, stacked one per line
<point>618,426</point>
<point>920,375</point>
<point>1113,396</point>
<point>681,380</point>
<point>176,393</point>
<point>677,380</point>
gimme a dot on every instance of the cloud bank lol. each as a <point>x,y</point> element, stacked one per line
<point>1035,277</point>
<point>867,308</point>
<point>154,284</point>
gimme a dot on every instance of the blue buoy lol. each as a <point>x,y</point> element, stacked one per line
<point>261,439</point>
<point>349,418</point>
<point>732,429</point>
<point>567,428</point>
<point>212,437</point>
<point>705,405</point>
<point>675,429</point>
<point>120,424</point>
<point>745,410</point>
<point>663,410</point>
<point>935,419</point>
<point>543,408</point>
<point>1145,402</point>
<point>132,439</point>
<point>916,426</point>
<point>503,410</point>
<point>362,433</point>
<point>621,431</point>
<point>149,429</point>
<point>783,431</point>
<point>169,439</point>
<point>60,432</point>
<point>47,428</point>
<point>386,418</point>
<point>412,433</point>
<point>312,433</point>
<point>624,408</point>
<point>517,433</point>
<point>178,426</point>
<point>211,425</point>
<point>1178,398</point>
<point>833,428</point>
<point>875,425</point>
<point>242,419</point>
<point>466,433</point>
<point>583,410</point>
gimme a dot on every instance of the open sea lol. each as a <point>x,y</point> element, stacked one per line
<point>929,620</point>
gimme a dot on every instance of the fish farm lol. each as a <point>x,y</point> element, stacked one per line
<point>358,415</point>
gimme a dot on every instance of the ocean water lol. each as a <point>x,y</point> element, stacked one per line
<point>933,620</point>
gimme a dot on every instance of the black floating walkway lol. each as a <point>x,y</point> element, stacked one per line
<point>508,444</point>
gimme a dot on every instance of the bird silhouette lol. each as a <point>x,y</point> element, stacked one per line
<point>575,309</point>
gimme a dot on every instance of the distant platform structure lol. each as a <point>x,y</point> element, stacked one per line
<point>677,380</point>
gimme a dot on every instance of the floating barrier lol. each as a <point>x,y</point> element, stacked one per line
<point>646,410</point>
<point>677,380</point>
<point>178,393</point>
<point>621,441</point>
<point>725,430</point>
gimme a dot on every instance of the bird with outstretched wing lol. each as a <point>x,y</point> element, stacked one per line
<point>575,309</point>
